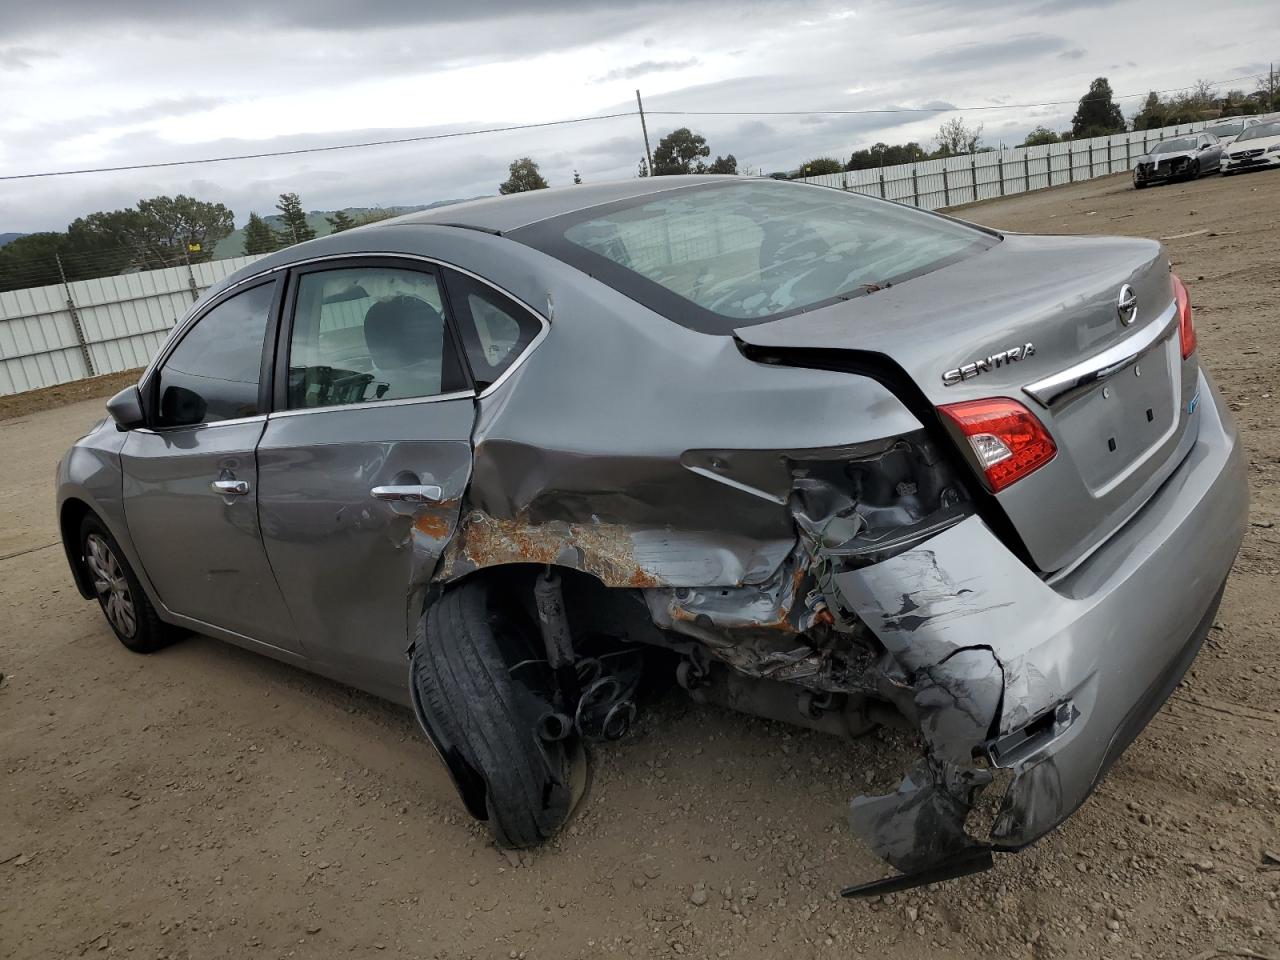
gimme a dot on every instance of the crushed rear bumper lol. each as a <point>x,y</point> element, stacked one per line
<point>1026,690</point>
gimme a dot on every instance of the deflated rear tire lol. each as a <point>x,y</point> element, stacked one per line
<point>482,679</point>
<point>124,603</point>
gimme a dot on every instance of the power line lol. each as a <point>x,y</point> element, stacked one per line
<point>325,149</point>
<point>576,120</point>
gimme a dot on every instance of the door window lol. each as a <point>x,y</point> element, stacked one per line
<point>214,372</point>
<point>369,333</point>
<point>495,329</point>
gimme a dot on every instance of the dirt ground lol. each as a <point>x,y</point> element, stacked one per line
<point>205,802</point>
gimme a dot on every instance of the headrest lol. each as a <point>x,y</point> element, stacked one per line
<point>402,331</point>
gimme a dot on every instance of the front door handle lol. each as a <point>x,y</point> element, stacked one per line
<point>231,488</point>
<point>409,493</point>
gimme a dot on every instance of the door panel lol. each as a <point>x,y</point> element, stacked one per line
<point>346,560</point>
<point>203,549</point>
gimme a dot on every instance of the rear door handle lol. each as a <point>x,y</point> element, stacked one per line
<point>231,488</point>
<point>409,493</point>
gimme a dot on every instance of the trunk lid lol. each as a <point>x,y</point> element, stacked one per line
<point>1037,319</point>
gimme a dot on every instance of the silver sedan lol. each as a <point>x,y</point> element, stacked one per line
<point>806,454</point>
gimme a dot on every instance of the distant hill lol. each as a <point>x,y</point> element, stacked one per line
<point>6,237</point>
<point>233,245</point>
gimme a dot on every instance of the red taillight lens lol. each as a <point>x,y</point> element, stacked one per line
<point>1007,439</point>
<point>1186,322</point>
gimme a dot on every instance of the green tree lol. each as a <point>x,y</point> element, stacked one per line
<point>884,155</point>
<point>819,166</point>
<point>296,229</point>
<point>524,176</point>
<point>159,232</point>
<point>680,152</point>
<point>1151,114</point>
<point>1040,136</point>
<point>1097,114</point>
<point>955,138</point>
<point>642,169</point>
<point>577,178</point>
<point>726,164</point>
<point>340,221</point>
<point>32,261</point>
<point>258,236</point>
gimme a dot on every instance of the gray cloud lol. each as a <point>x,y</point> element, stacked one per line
<point>1075,53</point>
<point>1021,46</point>
<point>19,58</point>
<point>128,116</point>
<point>645,68</point>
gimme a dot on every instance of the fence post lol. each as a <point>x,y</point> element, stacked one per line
<point>882,183</point>
<point>1000,171</point>
<point>1109,155</point>
<point>973,176</point>
<point>946,187</point>
<point>191,277</point>
<point>1026,170</point>
<point>1090,176</point>
<point>1071,165</point>
<point>915,186</point>
<point>75,319</point>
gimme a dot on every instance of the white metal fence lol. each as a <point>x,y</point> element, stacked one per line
<point>934,184</point>
<point>54,334</point>
<point>85,328</point>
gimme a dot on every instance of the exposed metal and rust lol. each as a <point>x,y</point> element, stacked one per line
<point>604,550</point>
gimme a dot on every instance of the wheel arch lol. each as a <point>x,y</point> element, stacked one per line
<point>71,514</point>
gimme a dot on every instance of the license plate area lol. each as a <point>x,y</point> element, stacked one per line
<point>1112,430</point>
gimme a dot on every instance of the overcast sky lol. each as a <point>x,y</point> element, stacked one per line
<point>87,83</point>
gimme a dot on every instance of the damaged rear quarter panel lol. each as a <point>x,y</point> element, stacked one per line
<point>578,456</point>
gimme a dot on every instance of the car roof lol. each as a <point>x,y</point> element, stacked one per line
<point>500,214</point>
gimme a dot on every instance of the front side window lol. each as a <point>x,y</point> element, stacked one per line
<point>721,256</point>
<point>214,372</point>
<point>495,329</point>
<point>371,333</point>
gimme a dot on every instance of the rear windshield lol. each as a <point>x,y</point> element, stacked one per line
<point>1226,129</point>
<point>729,254</point>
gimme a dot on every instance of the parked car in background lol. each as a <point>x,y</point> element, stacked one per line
<point>1256,148</point>
<point>810,455</point>
<point>1228,128</point>
<point>1182,158</point>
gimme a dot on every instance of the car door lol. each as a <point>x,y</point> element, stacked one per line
<point>190,480</point>
<point>365,458</point>
<point>1210,152</point>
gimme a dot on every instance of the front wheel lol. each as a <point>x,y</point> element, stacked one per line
<point>483,685</point>
<point>1195,172</point>
<point>129,612</point>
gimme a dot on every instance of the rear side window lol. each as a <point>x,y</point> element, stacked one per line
<point>726,255</point>
<point>214,372</point>
<point>495,329</point>
<point>369,333</point>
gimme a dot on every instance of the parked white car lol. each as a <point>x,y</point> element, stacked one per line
<point>1229,128</point>
<point>1257,147</point>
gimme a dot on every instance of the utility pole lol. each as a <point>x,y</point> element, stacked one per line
<point>647,154</point>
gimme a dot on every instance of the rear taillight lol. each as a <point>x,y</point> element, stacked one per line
<point>1186,322</point>
<point>1007,439</point>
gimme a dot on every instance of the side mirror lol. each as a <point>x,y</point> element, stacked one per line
<point>126,409</point>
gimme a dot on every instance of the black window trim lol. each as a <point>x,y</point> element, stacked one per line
<point>149,386</point>
<point>280,391</point>
<point>547,236</point>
